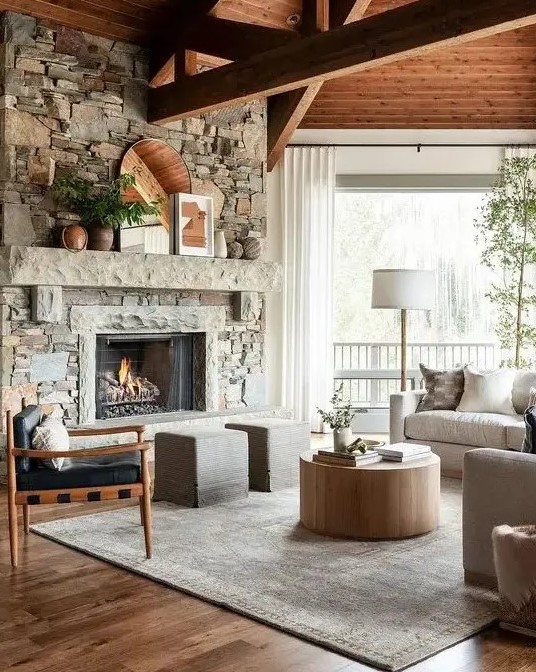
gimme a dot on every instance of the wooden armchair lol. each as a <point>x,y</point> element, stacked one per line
<point>91,475</point>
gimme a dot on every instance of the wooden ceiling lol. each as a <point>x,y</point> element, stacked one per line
<point>490,83</point>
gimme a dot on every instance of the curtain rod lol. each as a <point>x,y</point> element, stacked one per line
<point>418,145</point>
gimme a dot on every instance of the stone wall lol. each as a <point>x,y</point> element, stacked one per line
<point>71,102</point>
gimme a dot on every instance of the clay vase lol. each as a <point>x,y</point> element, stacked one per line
<point>252,248</point>
<point>74,237</point>
<point>101,238</point>
<point>220,245</point>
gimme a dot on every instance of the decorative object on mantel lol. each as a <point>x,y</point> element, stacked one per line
<point>102,209</point>
<point>194,222</point>
<point>339,419</point>
<point>220,245</point>
<point>234,250</point>
<point>251,247</point>
<point>160,171</point>
<point>74,237</point>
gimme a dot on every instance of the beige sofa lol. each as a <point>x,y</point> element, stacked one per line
<point>451,433</point>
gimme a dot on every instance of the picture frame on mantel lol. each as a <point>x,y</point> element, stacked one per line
<point>193,219</point>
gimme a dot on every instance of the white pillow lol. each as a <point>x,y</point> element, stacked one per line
<point>51,434</point>
<point>487,392</point>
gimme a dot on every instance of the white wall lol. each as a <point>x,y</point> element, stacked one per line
<point>406,160</point>
<point>376,161</point>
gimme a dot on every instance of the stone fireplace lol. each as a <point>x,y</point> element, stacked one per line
<point>74,104</point>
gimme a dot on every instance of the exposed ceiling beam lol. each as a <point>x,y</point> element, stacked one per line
<point>234,40</point>
<point>286,110</point>
<point>411,30</point>
<point>170,38</point>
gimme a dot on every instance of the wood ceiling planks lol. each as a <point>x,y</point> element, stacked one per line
<point>489,83</point>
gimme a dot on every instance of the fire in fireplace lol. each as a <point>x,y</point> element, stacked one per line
<point>143,374</point>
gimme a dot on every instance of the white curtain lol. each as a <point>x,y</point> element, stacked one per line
<point>308,189</point>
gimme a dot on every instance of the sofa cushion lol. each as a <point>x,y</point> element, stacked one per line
<point>485,430</point>
<point>120,469</point>
<point>24,424</point>
<point>515,436</point>
<point>444,389</point>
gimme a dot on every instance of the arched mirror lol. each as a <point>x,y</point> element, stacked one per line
<point>160,171</point>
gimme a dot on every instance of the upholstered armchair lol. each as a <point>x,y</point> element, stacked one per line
<point>90,475</point>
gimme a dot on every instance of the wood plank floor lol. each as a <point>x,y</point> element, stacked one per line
<point>61,611</point>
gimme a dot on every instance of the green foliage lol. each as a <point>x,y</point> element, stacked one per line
<point>103,206</point>
<point>342,414</point>
<point>507,229</point>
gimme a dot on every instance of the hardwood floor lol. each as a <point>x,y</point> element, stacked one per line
<point>62,611</point>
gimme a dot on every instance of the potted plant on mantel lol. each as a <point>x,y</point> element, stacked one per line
<point>102,209</point>
<point>339,419</point>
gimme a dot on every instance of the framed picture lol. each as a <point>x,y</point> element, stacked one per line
<point>193,218</point>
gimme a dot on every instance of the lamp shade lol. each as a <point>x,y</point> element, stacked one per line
<point>403,288</point>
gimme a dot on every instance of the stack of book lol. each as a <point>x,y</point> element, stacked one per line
<point>346,459</point>
<point>403,452</point>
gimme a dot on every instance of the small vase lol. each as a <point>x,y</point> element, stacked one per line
<point>220,245</point>
<point>342,438</point>
<point>74,237</point>
<point>101,238</point>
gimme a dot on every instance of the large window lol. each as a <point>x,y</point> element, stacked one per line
<point>410,229</point>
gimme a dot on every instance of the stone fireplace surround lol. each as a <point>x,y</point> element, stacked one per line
<point>55,303</point>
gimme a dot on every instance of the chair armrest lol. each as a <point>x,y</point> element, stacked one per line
<point>498,488</point>
<point>105,431</point>
<point>402,404</point>
<point>83,452</point>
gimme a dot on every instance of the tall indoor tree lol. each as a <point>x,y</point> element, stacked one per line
<point>507,229</point>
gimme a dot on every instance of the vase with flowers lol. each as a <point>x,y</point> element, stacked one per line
<point>339,419</point>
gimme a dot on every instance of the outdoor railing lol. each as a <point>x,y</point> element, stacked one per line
<point>370,372</point>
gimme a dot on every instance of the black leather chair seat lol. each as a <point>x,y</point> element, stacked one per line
<point>79,473</point>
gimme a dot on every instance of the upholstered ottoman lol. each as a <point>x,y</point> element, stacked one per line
<point>198,467</point>
<point>274,449</point>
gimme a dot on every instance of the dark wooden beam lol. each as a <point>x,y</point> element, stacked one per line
<point>411,30</point>
<point>169,38</point>
<point>234,40</point>
<point>286,110</point>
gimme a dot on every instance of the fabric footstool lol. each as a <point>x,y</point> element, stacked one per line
<point>198,467</point>
<point>274,449</point>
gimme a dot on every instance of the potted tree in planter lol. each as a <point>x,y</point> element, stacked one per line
<point>508,230</point>
<point>339,419</point>
<point>102,209</point>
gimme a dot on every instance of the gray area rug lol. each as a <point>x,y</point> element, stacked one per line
<point>388,604</point>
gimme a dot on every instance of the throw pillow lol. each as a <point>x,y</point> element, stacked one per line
<point>532,398</point>
<point>51,434</point>
<point>529,444</point>
<point>487,392</point>
<point>444,389</point>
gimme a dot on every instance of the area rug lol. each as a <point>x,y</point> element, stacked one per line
<point>387,604</point>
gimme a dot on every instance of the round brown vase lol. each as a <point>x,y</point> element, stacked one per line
<point>101,238</point>
<point>74,237</point>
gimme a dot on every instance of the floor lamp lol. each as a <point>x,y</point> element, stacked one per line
<point>403,289</point>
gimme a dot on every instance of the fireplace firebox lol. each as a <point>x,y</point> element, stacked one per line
<point>141,374</point>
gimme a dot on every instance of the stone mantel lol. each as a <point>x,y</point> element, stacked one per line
<point>32,266</point>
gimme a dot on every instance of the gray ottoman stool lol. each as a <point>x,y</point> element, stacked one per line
<point>274,449</point>
<point>199,467</point>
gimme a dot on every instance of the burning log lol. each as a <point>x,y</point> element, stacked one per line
<point>127,387</point>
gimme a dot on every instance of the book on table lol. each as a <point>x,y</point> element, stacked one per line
<point>402,452</point>
<point>346,459</point>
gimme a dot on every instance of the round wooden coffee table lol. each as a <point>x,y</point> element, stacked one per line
<point>383,500</point>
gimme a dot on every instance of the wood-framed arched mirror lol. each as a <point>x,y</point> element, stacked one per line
<point>160,171</point>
